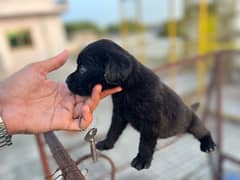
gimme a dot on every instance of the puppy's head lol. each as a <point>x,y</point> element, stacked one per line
<point>102,62</point>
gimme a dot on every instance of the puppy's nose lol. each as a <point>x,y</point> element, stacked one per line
<point>68,80</point>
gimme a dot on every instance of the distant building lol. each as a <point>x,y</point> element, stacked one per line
<point>30,30</point>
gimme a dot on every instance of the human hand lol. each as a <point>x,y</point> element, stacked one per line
<point>31,103</point>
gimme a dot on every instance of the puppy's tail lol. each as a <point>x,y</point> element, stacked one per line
<point>195,106</point>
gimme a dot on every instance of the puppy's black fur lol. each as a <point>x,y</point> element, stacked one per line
<point>150,106</point>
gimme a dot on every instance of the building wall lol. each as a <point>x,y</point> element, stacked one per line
<point>25,6</point>
<point>48,38</point>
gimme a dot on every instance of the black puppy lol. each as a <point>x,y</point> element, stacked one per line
<point>150,106</point>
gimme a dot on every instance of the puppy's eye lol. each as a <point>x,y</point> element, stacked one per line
<point>82,70</point>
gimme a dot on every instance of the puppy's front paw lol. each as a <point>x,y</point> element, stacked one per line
<point>207,144</point>
<point>141,163</point>
<point>104,145</point>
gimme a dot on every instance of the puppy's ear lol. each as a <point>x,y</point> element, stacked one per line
<point>117,68</point>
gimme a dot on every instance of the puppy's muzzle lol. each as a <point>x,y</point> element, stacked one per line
<point>71,85</point>
<point>68,80</point>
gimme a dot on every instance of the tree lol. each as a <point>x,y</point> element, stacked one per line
<point>163,29</point>
<point>82,26</point>
<point>131,26</point>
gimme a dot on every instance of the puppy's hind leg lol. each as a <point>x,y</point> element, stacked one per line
<point>199,131</point>
<point>118,124</point>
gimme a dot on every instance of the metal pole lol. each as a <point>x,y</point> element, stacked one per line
<point>219,77</point>
<point>172,39</point>
<point>68,167</point>
<point>140,29</point>
<point>123,25</point>
<point>43,157</point>
<point>202,33</point>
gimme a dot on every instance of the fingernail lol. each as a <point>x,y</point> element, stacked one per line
<point>60,52</point>
<point>99,87</point>
<point>80,120</point>
<point>87,109</point>
<point>119,89</point>
<point>64,51</point>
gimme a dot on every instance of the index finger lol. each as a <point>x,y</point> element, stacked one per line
<point>93,101</point>
<point>55,62</point>
<point>110,91</point>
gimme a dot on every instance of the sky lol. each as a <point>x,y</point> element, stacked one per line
<point>104,12</point>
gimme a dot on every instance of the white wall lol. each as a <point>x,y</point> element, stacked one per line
<point>47,35</point>
<point>25,6</point>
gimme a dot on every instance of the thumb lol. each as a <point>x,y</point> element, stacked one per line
<point>55,62</point>
<point>84,123</point>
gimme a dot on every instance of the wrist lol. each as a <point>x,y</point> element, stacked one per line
<point>6,123</point>
<point>5,139</point>
<point>9,125</point>
<point>1,102</point>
